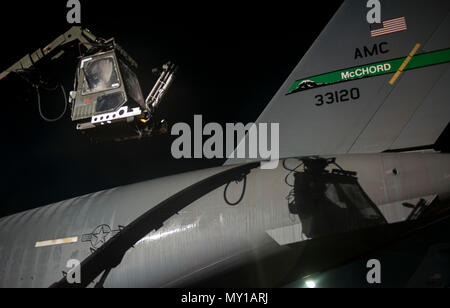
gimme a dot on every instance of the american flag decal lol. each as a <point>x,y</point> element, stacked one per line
<point>391,26</point>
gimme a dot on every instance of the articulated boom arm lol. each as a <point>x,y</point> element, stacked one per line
<point>55,49</point>
<point>165,80</point>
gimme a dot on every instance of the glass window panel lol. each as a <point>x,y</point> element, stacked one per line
<point>100,75</point>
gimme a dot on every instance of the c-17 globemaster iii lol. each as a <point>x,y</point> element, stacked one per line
<point>349,164</point>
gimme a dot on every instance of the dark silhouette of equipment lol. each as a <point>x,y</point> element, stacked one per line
<point>330,202</point>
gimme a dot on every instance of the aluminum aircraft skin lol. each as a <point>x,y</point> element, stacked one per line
<point>179,230</point>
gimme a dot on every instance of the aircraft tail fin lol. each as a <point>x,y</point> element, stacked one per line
<point>369,88</point>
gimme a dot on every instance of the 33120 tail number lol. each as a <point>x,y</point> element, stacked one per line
<point>338,97</point>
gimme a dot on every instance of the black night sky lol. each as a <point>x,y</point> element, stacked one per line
<point>232,58</point>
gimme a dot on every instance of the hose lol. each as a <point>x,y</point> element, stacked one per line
<point>242,195</point>
<point>40,107</point>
